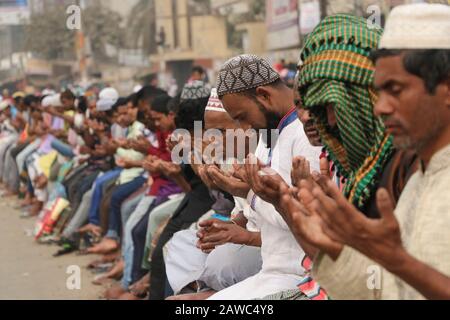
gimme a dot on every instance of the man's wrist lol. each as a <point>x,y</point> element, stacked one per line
<point>335,251</point>
<point>397,261</point>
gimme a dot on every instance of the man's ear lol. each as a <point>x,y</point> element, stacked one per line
<point>263,92</point>
<point>264,95</point>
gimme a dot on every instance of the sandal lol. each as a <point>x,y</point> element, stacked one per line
<point>65,250</point>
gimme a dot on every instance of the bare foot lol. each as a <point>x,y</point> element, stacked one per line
<point>10,194</point>
<point>193,296</point>
<point>106,258</point>
<point>117,271</point>
<point>41,182</point>
<point>141,287</point>
<point>101,280</point>
<point>27,201</point>
<point>111,257</point>
<point>35,209</point>
<point>94,229</point>
<point>115,292</point>
<point>107,245</point>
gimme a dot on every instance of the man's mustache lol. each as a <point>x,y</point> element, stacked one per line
<point>391,122</point>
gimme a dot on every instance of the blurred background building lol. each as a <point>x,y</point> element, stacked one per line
<point>123,43</point>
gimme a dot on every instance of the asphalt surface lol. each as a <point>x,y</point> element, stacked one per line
<point>28,270</point>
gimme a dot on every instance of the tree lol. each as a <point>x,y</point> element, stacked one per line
<point>102,26</point>
<point>256,13</point>
<point>141,27</point>
<point>47,35</point>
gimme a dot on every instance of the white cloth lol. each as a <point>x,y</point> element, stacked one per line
<point>280,252</point>
<point>126,175</point>
<point>417,26</point>
<point>225,266</point>
<point>185,263</point>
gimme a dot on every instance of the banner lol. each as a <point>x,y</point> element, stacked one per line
<point>309,16</point>
<point>282,24</point>
<point>14,12</point>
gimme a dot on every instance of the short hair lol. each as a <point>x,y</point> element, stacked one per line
<point>431,65</point>
<point>148,93</point>
<point>68,95</point>
<point>122,101</point>
<point>160,104</point>
<point>189,112</point>
<point>133,99</point>
<point>174,103</point>
<point>198,69</point>
<point>251,93</point>
<point>18,100</point>
<point>30,99</point>
<point>82,104</point>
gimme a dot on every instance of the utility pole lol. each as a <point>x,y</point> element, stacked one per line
<point>323,8</point>
<point>175,24</point>
<point>189,21</point>
<point>81,48</point>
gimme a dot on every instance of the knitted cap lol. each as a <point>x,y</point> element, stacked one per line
<point>195,90</point>
<point>244,72</point>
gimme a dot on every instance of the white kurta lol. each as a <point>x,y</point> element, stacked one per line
<point>184,262</point>
<point>280,252</point>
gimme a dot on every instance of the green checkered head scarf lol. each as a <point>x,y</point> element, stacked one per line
<point>338,72</point>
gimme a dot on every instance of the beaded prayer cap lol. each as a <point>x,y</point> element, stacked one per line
<point>244,72</point>
<point>214,103</point>
<point>195,90</point>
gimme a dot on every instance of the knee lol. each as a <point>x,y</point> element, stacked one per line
<point>219,264</point>
<point>222,268</point>
<point>117,200</point>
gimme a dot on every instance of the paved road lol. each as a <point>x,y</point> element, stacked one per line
<point>28,270</point>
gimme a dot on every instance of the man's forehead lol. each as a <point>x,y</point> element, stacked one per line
<point>234,102</point>
<point>156,113</point>
<point>389,68</point>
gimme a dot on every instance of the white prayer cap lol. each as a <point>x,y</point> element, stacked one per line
<point>417,26</point>
<point>57,100</point>
<point>46,102</point>
<point>137,88</point>
<point>52,101</point>
<point>4,105</point>
<point>107,98</point>
<point>48,92</point>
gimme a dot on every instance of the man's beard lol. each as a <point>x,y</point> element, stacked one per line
<point>312,133</point>
<point>272,122</point>
<point>403,143</point>
<point>334,131</point>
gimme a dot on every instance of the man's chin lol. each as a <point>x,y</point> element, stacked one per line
<point>403,143</point>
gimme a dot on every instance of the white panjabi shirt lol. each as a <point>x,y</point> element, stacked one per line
<point>280,252</point>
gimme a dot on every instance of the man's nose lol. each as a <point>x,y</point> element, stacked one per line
<point>305,117</point>
<point>383,106</point>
